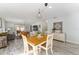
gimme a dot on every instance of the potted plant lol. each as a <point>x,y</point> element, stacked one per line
<point>39,34</point>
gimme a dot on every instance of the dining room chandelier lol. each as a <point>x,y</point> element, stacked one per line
<point>39,11</point>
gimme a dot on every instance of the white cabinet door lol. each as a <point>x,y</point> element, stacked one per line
<point>59,36</point>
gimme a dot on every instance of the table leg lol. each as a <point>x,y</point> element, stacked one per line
<point>35,50</point>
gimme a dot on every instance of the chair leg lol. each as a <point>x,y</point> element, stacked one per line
<point>35,50</point>
<point>46,51</point>
<point>26,50</point>
<point>39,49</point>
<point>51,51</point>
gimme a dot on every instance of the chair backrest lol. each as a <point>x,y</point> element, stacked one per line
<point>49,42</point>
<point>24,40</point>
<point>24,33</point>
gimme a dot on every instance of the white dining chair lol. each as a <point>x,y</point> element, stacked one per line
<point>25,44</point>
<point>27,47</point>
<point>48,44</point>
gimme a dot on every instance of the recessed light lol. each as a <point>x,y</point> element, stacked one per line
<point>50,6</point>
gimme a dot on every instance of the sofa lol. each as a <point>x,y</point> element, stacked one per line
<point>3,40</point>
<point>10,37</point>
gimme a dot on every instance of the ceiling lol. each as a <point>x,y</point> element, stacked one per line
<point>29,10</point>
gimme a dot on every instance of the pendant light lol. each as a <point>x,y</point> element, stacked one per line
<point>39,13</point>
<point>46,4</point>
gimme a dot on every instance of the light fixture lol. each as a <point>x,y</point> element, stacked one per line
<point>46,4</point>
<point>39,13</point>
<point>50,6</point>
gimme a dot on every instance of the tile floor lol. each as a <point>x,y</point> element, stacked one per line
<point>61,48</point>
<point>15,47</point>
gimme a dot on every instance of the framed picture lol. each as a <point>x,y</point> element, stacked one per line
<point>57,26</point>
<point>0,22</point>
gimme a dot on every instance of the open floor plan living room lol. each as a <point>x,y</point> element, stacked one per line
<point>39,28</point>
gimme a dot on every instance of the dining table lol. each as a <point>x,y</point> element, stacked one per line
<point>35,41</point>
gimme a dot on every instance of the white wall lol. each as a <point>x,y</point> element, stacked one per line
<point>2,29</point>
<point>49,25</point>
<point>72,27</point>
<point>68,13</point>
<point>12,22</point>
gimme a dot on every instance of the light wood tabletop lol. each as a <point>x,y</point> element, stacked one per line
<point>35,40</point>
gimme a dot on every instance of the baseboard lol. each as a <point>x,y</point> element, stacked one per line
<point>72,41</point>
<point>58,40</point>
<point>69,41</point>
